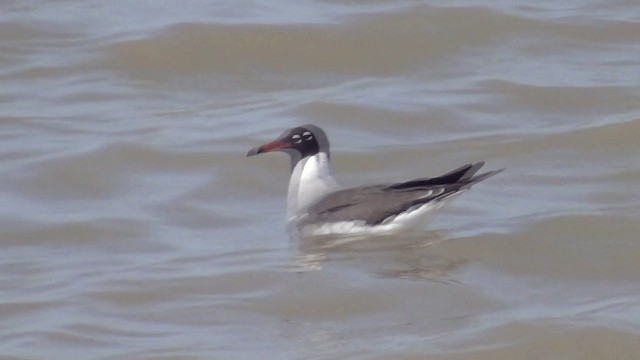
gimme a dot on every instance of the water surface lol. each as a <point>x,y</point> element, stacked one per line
<point>133,226</point>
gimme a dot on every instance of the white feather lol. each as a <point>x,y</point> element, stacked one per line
<point>311,179</point>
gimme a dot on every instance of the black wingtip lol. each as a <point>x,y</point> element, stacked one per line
<point>473,169</point>
<point>484,176</point>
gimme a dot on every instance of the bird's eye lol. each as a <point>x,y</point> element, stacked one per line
<point>296,139</point>
<point>307,135</point>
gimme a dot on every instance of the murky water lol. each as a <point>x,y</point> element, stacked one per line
<point>133,227</point>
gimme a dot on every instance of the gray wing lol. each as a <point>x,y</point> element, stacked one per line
<point>371,204</point>
<point>374,204</point>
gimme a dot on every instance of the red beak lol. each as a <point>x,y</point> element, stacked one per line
<point>272,146</point>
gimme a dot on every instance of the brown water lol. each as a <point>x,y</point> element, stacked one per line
<point>133,227</point>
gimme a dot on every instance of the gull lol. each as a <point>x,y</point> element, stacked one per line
<point>316,205</point>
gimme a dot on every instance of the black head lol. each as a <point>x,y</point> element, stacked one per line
<point>299,142</point>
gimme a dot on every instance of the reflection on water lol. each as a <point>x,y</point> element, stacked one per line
<point>405,256</point>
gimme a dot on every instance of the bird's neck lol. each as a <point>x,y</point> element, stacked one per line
<point>310,179</point>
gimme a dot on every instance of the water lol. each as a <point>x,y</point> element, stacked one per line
<point>133,226</point>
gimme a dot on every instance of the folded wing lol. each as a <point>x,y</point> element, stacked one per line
<point>374,204</point>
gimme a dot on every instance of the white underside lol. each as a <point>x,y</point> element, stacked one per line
<point>408,220</point>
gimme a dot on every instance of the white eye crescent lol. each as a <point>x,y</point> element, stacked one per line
<point>296,139</point>
<point>307,135</point>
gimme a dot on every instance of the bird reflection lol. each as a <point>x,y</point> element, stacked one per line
<point>406,256</point>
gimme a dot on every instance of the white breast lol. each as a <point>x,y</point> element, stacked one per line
<point>311,179</point>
